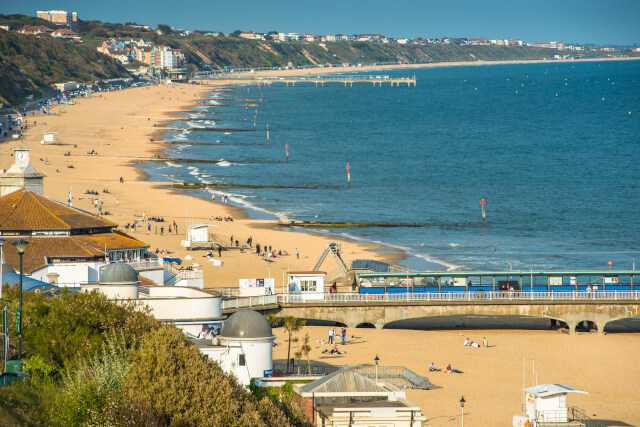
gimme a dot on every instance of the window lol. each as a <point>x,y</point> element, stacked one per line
<point>242,360</point>
<point>308,285</point>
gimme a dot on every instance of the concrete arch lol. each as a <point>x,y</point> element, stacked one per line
<point>365,325</point>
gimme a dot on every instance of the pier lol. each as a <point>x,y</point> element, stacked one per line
<point>346,80</point>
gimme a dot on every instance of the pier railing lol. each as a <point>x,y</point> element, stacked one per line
<point>462,296</point>
<point>249,302</point>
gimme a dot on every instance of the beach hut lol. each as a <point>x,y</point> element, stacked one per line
<point>547,403</point>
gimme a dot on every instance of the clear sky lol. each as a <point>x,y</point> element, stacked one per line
<point>581,21</point>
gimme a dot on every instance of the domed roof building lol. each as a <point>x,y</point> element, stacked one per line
<point>244,348</point>
<point>118,273</point>
<point>118,281</point>
<point>246,324</point>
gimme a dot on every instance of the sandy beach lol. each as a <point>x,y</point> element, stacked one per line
<point>120,126</point>
<point>603,365</point>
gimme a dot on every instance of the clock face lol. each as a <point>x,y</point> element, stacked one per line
<point>21,156</point>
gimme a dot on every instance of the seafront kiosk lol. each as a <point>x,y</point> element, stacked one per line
<point>306,285</point>
<point>546,404</point>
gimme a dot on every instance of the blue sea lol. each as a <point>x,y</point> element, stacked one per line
<point>553,148</point>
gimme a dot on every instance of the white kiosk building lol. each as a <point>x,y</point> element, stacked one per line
<point>547,403</point>
<point>306,285</point>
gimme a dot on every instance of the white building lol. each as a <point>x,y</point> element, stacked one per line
<point>546,403</point>
<point>21,174</point>
<point>244,348</point>
<point>306,285</point>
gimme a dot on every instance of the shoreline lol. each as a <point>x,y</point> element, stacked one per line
<point>119,126</point>
<point>429,262</point>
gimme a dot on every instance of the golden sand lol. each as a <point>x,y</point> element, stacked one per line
<point>603,365</point>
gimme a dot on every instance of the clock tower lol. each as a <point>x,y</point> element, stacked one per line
<point>21,174</point>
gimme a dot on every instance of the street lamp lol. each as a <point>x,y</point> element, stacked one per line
<point>1,264</point>
<point>462,401</point>
<point>377,359</point>
<point>21,246</point>
<point>532,282</point>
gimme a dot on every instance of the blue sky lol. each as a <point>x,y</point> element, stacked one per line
<point>586,21</point>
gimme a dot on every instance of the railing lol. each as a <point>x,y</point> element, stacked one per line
<point>248,302</point>
<point>145,264</point>
<point>397,375</point>
<point>184,275</point>
<point>320,297</point>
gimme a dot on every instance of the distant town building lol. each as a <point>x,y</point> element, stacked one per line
<point>60,17</point>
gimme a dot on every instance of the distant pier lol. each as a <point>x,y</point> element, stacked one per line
<point>317,80</point>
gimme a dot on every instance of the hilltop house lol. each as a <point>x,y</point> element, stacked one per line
<point>34,30</point>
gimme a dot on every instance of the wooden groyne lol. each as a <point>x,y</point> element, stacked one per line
<point>331,224</point>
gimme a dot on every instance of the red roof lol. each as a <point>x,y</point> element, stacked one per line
<point>25,210</point>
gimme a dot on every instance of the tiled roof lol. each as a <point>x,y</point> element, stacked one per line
<point>26,210</point>
<point>83,246</point>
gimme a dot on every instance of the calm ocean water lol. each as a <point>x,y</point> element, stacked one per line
<point>553,148</point>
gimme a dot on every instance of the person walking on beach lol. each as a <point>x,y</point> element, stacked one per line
<point>219,251</point>
<point>297,253</point>
<point>162,231</point>
<point>117,203</point>
<point>344,334</point>
<point>485,342</point>
<point>231,241</point>
<point>330,336</point>
<point>258,248</point>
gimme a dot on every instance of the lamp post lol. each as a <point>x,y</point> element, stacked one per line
<point>1,264</point>
<point>377,359</point>
<point>21,246</point>
<point>531,281</point>
<point>462,401</point>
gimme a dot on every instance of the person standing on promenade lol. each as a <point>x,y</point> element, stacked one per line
<point>297,253</point>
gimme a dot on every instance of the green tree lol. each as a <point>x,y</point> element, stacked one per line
<point>292,325</point>
<point>166,29</point>
<point>273,320</point>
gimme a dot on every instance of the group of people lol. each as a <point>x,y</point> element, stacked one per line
<point>448,369</point>
<point>219,218</point>
<point>224,198</point>
<point>333,335</point>
<point>469,343</point>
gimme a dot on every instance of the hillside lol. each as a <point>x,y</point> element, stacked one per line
<point>31,64</point>
<point>229,51</point>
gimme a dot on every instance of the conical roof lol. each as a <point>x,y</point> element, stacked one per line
<point>26,210</point>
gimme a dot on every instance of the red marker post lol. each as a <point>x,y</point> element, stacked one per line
<point>482,203</point>
<point>610,264</point>
<point>267,133</point>
<point>286,148</point>
<point>348,176</point>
